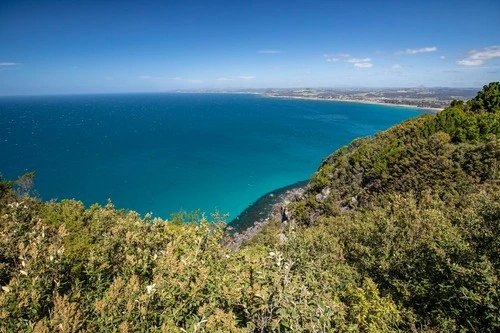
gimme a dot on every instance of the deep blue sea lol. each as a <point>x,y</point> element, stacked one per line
<point>165,153</point>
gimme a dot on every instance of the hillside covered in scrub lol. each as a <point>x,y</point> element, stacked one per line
<point>399,232</point>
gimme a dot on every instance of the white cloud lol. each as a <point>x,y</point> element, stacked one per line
<point>333,55</point>
<point>396,66</point>
<point>269,51</point>
<point>363,65</point>
<point>241,77</point>
<point>470,62</point>
<point>420,50</point>
<point>177,78</point>
<point>4,66</point>
<point>152,78</point>
<point>442,57</point>
<point>359,60</point>
<point>479,57</point>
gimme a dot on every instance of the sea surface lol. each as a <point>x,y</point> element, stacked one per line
<point>166,153</point>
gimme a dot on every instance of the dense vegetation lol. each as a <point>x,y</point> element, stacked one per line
<point>399,232</point>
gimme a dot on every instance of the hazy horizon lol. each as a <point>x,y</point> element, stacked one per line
<point>233,90</point>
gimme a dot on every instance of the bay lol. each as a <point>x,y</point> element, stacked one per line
<point>166,153</point>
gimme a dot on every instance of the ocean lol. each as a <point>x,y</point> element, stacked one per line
<point>167,153</point>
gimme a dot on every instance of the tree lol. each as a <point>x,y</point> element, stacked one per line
<point>457,102</point>
<point>25,184</point>
<point>5,187</point>
<point>487,99</point>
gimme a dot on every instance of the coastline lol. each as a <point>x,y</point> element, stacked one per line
<point>267,208</point>
<point>259,214</point>
<point>423,109</point>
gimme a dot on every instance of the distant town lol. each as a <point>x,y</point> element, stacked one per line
<point>434,98</point>
<point>429,98</point>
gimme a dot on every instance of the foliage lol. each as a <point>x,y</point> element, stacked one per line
<point>395,233</point>
<point>24,184</point>
<point>98,269</point>
<point>425,257</point>
<point>487,99</point>
<point>419,213</point>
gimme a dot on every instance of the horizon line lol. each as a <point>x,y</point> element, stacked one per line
<point>234,90</point>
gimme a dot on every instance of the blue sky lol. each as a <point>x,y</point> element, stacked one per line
<point>60,47</point>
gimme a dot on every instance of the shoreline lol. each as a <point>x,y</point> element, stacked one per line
<point>267,207</point>
<point>420,108</point>
<point>260,213</point>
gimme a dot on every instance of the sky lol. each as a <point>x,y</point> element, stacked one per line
<point>66,47</point>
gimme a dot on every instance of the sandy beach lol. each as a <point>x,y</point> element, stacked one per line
<point>430,110</point>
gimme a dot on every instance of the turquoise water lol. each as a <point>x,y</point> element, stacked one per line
<point>164,153</point>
